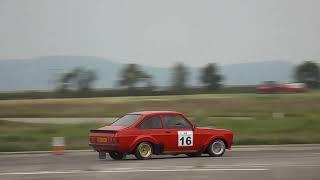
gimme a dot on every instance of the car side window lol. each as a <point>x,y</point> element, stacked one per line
<point>175,121</point>
<point>151,123</point>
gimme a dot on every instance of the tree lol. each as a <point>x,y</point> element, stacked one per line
<point>79,78</point>
<point>85,79</point>
<point>309,73</point>
<point>210,77</point>
<point>131,75</point>
<point>179,76</point>
<point>65,81</point>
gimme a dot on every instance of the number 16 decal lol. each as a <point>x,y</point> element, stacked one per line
<point>185,138</point>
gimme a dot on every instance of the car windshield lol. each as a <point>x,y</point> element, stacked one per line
<point>127,120</point>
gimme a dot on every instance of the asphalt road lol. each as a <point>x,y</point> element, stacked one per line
<point>264,162</point>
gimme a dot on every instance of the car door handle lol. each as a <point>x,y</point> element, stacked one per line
<point>168,131</point>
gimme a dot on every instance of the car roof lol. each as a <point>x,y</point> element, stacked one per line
<point>155,112</point>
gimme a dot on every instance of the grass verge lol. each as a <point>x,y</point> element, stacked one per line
<point>192,105</point>
<point>17,136</point>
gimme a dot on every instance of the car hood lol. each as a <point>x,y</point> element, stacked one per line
<point>213,129</point>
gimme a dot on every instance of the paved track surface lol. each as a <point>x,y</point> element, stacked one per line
<point>266,162</point>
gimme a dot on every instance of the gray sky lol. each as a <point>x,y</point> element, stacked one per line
<point>164,31</point>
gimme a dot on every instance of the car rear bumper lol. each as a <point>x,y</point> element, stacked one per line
<point>105,147</point>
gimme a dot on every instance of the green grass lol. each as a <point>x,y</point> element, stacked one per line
<point>192,105</point>
<point>29,137</point>
<point>256,130</point>
<point>301,123</point>
<point>266,130</point>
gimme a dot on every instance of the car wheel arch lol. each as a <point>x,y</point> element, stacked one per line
<point>216,138</point>
<point>139,140</point>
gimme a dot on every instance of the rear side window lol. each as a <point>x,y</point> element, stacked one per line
<point>151,123</point>
<point>127,120</point>
<point>175,121</point>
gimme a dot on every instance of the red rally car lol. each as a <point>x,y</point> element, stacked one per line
<point>158,132</point>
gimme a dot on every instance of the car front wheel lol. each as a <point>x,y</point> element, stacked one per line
<point>117,155</point>
<point>217,148</point>
<point>144,151</point>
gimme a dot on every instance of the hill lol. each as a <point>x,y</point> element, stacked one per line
<point>41,73</point>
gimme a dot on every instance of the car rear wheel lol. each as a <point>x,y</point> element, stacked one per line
<point>144,151</point>
<point>102,155</point>
<point>117,155</point>
<point>217,148</point>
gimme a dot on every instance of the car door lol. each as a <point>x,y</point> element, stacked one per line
<point>179,134</point>
<point>152,126</point>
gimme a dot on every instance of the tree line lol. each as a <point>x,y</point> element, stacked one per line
<point>131,76</point>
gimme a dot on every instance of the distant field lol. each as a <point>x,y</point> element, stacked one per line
<point>204,105</point>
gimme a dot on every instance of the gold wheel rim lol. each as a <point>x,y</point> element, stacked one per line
<point>144,150</point>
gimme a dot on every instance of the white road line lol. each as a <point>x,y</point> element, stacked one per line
<point>129,171</point>
<point>298,165</point>
<point>243,166</point>
<point>121,168</point>
<point>41,172</point>
<point>169,167</point>
<point>184,170</point>
<point>240,164</point>
<point>253,164</point>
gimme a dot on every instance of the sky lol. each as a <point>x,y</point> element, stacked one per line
<point>162,32</point>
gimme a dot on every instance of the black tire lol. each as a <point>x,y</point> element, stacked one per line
<point>117,155</point>
<point>144,151</point>
<point>217,148</point>
<point>193,154</point>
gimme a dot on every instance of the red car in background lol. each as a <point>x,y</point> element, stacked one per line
<point>295,87</point>
<point>273,87</point>
<point>158,132</point>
